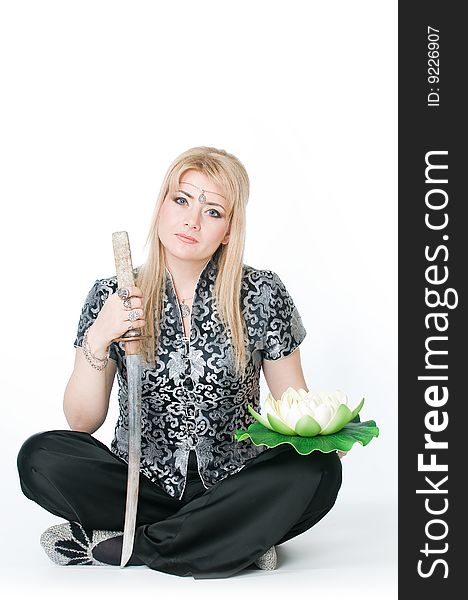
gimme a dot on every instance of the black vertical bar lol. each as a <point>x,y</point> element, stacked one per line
<point>432,272</point>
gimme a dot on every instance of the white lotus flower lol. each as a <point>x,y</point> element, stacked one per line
<point>306,413</point>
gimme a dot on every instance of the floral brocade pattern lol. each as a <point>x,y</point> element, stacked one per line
<point>192,399</point>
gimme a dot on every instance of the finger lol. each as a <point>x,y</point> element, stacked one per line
<point>136,324</point>
<point>133,291</point>
<point>138,312</point>
<point>132,302</point>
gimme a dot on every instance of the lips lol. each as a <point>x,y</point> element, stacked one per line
<point>186,238</point>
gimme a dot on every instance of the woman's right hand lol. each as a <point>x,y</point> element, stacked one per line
<point>112,321</point>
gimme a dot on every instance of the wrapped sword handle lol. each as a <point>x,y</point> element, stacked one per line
<point>125,278</point>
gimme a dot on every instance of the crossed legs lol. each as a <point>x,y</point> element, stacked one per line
<point>213,532</point>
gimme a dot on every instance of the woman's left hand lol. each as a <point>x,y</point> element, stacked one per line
<point>341,454</point>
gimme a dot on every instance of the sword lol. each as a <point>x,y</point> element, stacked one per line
<point>132,338</point>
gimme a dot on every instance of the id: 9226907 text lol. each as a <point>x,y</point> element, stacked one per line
<point>433,96</point>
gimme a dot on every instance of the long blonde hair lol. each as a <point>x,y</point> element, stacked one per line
<point>230,174</point>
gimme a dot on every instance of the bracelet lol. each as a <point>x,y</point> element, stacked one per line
<point>94,361</point>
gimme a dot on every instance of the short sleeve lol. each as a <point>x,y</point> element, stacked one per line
<point>95,299</point>
<point>285,330</point>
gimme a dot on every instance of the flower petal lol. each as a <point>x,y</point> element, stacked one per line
<point>291,395</point>
<point>323,414</point>
<point>340,396</point>
<point>279,426</point>
<point>339,420</point>
<point>289,413</point>
<point>275,405</point>
<point>357,409</point>
<point>307,426</point>
<point>268,404</point>
<point>260,418</point>
<point>323,398</point>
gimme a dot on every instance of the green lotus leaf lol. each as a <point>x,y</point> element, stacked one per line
<point>357,409</point>
<point>307,426</point>
<point>259,417</point>
<point>343,440</point>
<point>338,421</point>
<point>279,426</point>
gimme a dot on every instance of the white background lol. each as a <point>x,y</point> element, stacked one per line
<point>98,98</point>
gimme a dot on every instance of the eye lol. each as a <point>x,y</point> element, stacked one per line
<point>211,211</point>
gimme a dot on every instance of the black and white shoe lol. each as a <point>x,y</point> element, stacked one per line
<point>267,561</point>
<point>70,544</point>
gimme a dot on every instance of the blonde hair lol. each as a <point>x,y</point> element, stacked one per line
<point>230,174</point>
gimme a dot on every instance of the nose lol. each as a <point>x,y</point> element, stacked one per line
<point>192,219</point>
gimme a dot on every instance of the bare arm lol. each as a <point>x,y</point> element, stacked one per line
<point>283,373</point>
<point>86,397</point>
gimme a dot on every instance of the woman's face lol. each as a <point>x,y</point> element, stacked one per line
<point>182,213</point>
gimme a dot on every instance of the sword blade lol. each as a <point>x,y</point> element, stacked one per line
<point>134,452</point>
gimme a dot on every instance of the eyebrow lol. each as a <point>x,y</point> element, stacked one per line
<point>206,202</point>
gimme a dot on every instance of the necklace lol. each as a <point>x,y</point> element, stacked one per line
<point>184,308</point>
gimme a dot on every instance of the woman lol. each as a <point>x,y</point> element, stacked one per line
<point>209,506</point>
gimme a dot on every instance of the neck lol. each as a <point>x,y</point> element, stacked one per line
<point>185,274</point>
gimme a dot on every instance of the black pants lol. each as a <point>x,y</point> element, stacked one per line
<point>213,532</point>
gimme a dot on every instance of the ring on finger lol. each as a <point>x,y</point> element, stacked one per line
<point>123,293</point>
<point>127,303</point>
<point>133,315</point>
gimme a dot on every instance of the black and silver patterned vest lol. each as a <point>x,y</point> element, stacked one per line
<point>192,399</point>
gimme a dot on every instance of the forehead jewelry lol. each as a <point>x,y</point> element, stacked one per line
<point>202,197</point>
